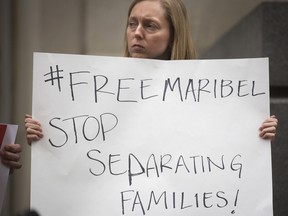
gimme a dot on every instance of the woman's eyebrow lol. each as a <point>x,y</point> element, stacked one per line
<point>145,18</point>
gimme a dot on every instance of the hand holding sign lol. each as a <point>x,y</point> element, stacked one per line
<point>9,154</point>
<point>33,129</point>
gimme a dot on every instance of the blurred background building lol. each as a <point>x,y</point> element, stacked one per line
<point>221,29</point>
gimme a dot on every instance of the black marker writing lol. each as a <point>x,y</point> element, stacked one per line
<point>72,84</point>
<point>80,125</point>
<point>198,90</point>
<point>54,75</point>
<point>158,165</point>
<point>133,201</point>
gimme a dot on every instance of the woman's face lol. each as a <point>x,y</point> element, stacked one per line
<point>148,31</point>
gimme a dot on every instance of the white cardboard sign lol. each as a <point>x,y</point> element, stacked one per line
<point>125,136</point>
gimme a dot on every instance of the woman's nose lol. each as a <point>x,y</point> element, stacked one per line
<point>139,31</point>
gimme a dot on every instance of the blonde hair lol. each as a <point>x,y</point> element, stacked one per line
<point>182,46</point>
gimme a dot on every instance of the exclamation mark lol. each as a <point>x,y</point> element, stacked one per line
<point>236,200</point>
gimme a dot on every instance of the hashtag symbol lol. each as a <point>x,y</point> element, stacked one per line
<point>54,76</point>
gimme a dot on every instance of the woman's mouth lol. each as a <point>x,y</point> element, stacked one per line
<point>138,48</point>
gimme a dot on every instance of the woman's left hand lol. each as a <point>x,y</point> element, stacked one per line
<point>10,156</point>
<point>268,128</point>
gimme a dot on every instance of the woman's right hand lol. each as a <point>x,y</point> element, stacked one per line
<point>33,129</point>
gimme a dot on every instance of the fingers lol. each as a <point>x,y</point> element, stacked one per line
<point>32,123</point>
<point>268,128</point>
<point>10,156</point>
<point>12,164</point>
<point>33,129</point>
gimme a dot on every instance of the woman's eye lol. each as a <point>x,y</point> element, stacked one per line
<point>132,24</point>
<point>151,26</point>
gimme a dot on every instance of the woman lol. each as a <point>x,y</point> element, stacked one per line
<point>167,32</point>
<point>156,29</point>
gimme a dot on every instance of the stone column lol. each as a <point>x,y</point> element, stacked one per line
<point>38,26</point>
<point>25,40</point>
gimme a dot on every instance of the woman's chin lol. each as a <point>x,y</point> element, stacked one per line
<point>139,55</point>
